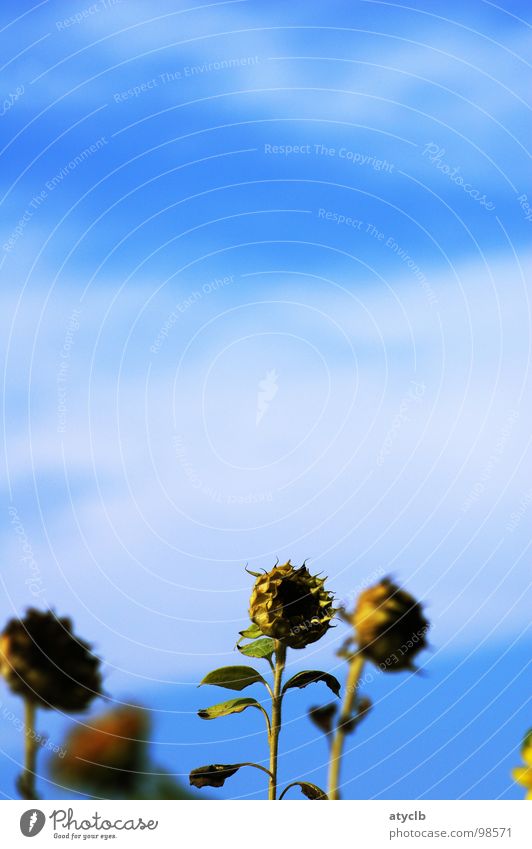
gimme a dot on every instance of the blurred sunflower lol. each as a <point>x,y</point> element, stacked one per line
<point>109,758</point>
<point>45,662</point>
<point>390,626</point>
<point>523,774</point>
<point>107,754</point>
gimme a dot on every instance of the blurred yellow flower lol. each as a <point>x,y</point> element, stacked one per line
<point>523,774</point>
<point>390,626</point>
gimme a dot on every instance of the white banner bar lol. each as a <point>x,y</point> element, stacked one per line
<point>251,825</point>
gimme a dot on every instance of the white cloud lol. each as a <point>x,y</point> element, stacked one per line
<point>131,555</point>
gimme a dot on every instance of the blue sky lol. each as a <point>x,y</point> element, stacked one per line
<point>326,200</point>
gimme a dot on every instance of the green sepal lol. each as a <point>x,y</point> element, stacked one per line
<point>252,632</point>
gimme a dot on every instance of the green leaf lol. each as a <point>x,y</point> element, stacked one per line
<point>264,647</point>
<point>311,791</point>
<point>252,632</point>
<point>233,677</point>
<point>227,708</point>
<point>213,775</point>
<point>303,679</point>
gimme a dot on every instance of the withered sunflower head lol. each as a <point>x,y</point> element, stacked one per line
<point>291,605</point>
<point>390,626</point>
<point>45,663</point>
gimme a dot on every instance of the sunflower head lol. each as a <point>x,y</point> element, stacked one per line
<point>291,605</point>
<point>390,626</point>
<point>45,663</point>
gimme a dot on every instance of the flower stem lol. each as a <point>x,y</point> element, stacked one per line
<point>355,668</point>
<point>280,660</point>
<point>257,766</point>
<point>27,779</point>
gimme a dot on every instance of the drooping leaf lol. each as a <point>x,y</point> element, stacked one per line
<point>322,717</point>
<point>233,677</point>
<point>303,679</point>
<point>213,775</point>
<point>362,709</point>
<point>364,706</point>
<point>227,708</point>
<point>349,724</point>
<point>264,647</point>
<point>311,791</point>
